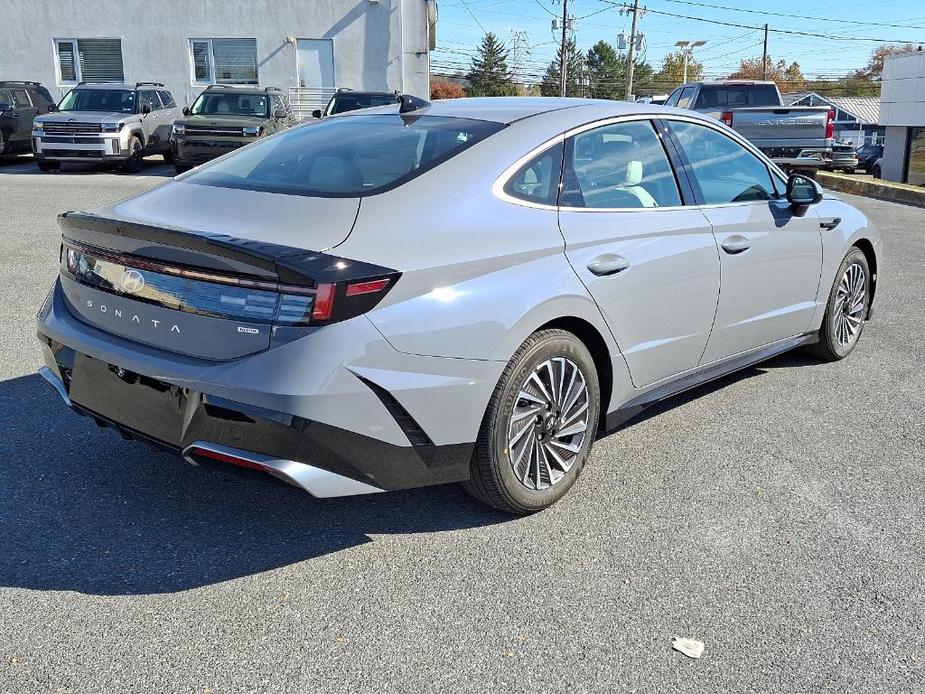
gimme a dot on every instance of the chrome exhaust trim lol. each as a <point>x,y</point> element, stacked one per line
<point>321,484</point>
<point>58,384</point>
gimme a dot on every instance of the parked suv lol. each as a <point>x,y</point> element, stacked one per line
<point>224,118</point>
<point>348,100</point>
<point>105,122</point>
<point>868,155</point>
<point>20,102</point>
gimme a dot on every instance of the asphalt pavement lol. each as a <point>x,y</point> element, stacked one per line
<point>776,515</point>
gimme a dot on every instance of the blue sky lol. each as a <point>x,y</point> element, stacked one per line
<point>459,32</point>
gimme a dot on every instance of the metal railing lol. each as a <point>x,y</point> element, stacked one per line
<point>304,100</point>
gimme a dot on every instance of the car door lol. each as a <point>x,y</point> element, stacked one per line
<point>168,113</point>
<point>770,256</point>
<point>149,122</point>
<point>649,261</point>
<point>27,112</point>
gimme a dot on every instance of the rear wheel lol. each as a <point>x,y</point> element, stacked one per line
<point>846,309</point>
<point>134,163</point>
<point>539,426</point>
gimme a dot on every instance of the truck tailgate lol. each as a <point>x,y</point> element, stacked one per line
<point>803,126</point>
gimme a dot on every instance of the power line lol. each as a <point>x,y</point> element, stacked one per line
<point>472,14</point>
<point>791,32</point>
<point>795,16</point>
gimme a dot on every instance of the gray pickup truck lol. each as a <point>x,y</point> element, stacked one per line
<point>797,138</point>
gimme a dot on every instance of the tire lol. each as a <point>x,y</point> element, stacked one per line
<point>876,172</point>
<point>168,156</point>
<point>844,320</point>
<point>534,486</point>
<point>46,166</point>
<point>134,163</point>
<point>181,168</point>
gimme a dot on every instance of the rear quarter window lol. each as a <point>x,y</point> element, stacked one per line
<point>347,156</point>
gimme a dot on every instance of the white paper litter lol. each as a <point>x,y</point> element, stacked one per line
<point>689,647</point>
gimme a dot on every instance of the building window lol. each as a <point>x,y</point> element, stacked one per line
<point>223,61</point>
<point>89,60</point>
<point>915,166</point>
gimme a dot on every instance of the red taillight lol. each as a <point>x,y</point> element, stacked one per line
<point>324,302</point>
<point>367,287</point>
<point>830,125</point>
<point>224,458</point>
<point>726,118</point>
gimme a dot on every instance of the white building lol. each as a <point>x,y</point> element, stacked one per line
<point>310,47</point>
<point>902,111</point>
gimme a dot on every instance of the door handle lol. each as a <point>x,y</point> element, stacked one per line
<point>608,264</point>
<point>735,244</point>
<point>829,224</point>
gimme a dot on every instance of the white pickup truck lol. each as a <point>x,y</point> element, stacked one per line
<point>797,138</point>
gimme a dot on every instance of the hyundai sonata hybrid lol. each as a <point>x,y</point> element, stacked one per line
<point>465,291</point>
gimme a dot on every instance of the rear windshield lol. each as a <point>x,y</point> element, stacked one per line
<point>98,100</point>
<point>351,102</point>
<point>230,105</point>
<point>349,156</point>
<point>734,95</point>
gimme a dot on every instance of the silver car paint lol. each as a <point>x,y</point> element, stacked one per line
<point>480,273</point>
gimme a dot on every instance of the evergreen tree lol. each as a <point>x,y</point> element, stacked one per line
<point>573,73</point>
<point>490,74</point>
<point>606,72</point>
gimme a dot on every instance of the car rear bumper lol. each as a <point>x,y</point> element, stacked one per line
<point>354,421</point>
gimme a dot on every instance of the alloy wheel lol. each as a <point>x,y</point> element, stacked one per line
<point>850,304</point>
<point>549,423</point>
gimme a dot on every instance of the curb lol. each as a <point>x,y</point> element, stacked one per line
<point>891,192</point>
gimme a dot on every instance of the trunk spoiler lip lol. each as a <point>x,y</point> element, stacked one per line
<point>293,266</point>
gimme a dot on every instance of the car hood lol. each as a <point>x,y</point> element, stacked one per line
<point>297,221</point>
<point>85,117</point>
<point>225,121</point>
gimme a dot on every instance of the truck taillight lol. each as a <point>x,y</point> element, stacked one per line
<point>726,118</point>
<point>830,125</point>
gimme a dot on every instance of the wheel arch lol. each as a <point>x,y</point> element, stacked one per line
<point>591,337</point>
<point>867,248</point>
<point>139,133</point>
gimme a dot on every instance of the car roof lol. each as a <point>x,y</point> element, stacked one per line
<point>506,110</point>
<point>110,85</point>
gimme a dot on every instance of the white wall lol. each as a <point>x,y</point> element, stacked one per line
<point>902,106</point>
<point>376,46</point>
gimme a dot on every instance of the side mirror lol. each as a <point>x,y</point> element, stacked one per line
<point>802,191</point>
<point>186,110</point>
<point>316,113</point>
<point>52,108</point>
<point>5,107</point>
<point>145,109</point>
<point>279,114</point>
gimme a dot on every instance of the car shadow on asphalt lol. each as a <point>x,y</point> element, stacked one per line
<point>83,510</point>
<point>24,165</point>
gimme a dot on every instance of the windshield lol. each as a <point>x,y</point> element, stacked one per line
<point>221,104</point>
<point>345,157</point>
<point>122,100</point>
<point>737,95</point>
<point>351,102</point>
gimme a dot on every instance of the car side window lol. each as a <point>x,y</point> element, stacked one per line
<point>619,166</point>
<point>673,99</point>
<point>5,98</point>
<point>20,98</point>
<point>147,98</point>
<point>722,169</point>
<point>167,99</point>
<point>538,179</point>
<point>685,97</point>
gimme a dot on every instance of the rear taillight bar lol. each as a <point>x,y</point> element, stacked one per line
<point>726,118</point>
<point>830,125</point>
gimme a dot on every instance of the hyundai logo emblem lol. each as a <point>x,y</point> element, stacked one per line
<point>132,281</point>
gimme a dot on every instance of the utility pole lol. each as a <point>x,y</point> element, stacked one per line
<point>764,59</point>
<point>563,59</point>
<point>631,54</point>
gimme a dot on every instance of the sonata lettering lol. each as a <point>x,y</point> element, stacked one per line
<point>117,313</point>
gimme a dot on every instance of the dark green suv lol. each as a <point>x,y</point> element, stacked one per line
<point>224,118</point>
<point>20,102</point>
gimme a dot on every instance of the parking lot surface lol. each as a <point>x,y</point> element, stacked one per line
<point>775,515</point>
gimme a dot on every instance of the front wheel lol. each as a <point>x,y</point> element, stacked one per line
<point>134,163</point>
<point>539,425</point>
<point>46,166</point>
<point>846,310</point>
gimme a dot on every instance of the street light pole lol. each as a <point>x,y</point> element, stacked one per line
<point>563,61</point>
<point>687,50</point>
